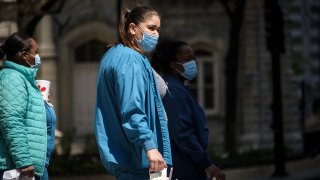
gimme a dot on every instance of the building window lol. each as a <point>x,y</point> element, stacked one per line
<point>204,87</point>
<point>90,52</point>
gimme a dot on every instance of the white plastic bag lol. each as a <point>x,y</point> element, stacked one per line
<point>162,175</point>
<point>14,175</point>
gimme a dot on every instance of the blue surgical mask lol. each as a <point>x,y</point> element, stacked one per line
<point>37,61</point>
<point>148,41</point>
<point>190,70</point>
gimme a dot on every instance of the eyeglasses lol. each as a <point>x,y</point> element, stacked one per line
<point>31,54</point>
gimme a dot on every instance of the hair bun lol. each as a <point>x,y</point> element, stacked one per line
<point>126,13</point>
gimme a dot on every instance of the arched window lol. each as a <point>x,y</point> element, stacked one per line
<point>90,52</point>
<point>205,86</point>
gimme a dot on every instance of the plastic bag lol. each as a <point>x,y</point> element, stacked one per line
<point>14,175</point>
<point>162,175</point>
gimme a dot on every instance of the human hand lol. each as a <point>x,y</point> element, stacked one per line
<point>156,160</point>
<point>214,171</point>
<point>27,171</point>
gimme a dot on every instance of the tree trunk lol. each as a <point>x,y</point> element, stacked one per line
<point>232,61</point>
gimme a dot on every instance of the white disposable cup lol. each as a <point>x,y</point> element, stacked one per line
<point>44,87</point>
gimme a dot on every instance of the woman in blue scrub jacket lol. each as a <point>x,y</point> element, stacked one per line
<point>175,60</point>
<point>130,123</point>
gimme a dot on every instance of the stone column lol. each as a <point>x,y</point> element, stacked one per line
<point>47,52</point>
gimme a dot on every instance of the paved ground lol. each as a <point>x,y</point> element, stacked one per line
<point>312,174</point>
<point>304,169</point>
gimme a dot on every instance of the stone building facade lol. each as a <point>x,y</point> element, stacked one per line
<point>72,42</point>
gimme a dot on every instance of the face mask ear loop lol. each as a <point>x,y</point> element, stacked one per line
<point>28,63</point>
<point>138,40</point>
<point>177,69</point>
<point>142,35</point>
<point>139,29</point>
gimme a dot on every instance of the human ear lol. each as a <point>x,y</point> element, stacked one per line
<point>22,55</point>
<point>131,28</point>
<point>176,67</point>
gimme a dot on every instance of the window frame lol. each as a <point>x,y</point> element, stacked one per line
<point>200,85</point>
<point>87,47</point>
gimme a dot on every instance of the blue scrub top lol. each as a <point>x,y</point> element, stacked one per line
<point>129,115</point>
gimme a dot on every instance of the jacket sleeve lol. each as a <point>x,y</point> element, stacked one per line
<point>131,89</point>
<point>13,106</point>
<point>181,128</point>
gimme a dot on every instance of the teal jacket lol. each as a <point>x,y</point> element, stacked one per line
<point>129,115</point>
<point>23,130</point>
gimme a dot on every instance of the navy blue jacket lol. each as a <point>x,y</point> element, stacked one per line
<point>187,130</point>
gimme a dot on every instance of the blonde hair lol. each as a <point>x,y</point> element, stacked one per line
<point>136,15</point>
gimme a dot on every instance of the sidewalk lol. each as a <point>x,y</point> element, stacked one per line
<point>304,169</point>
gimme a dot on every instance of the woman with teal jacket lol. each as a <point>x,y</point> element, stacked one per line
<point>130,123</point>
<point>23,130</point>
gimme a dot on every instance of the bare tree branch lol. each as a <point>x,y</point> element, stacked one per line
<point>45,9</point>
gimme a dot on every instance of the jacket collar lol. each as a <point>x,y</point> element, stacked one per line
<point>29,73</point>
<point>172,79</point>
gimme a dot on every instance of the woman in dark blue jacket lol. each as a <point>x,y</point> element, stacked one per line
<point>175,61</point>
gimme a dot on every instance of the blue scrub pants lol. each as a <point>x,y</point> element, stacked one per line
<point>127,174</point>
